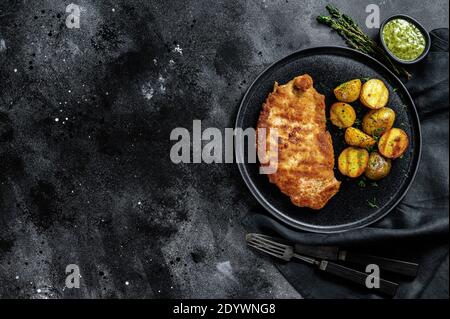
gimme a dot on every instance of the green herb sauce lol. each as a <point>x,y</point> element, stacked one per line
<point>404,39</point>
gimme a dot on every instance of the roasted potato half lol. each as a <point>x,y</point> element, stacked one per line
<point>349,91</point>
<point>377,122</point>
<point>378,167</point>
<point>394,143</point>
<point>342,115</point>
<point>374,94</point>
<point>356,137</point>
<point>353,161</point>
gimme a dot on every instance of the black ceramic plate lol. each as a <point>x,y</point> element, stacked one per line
<point>353,206</point>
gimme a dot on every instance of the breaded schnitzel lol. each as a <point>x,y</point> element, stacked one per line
<point>305,150</point>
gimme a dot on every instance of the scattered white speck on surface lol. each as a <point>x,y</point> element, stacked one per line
<point>67,118</point>
<point>161,81</point>
<point>56,119</point>
<point>127,283</point>
<point>178,49</point>
<point>15,70</point>
<point>139,203</point>
<point>70,91</point>
<point>147,91</point>
<point>39,291</point>
<point>155,61</point>
<point>113,10</point>
<point>171,62</point>
<point>17,277</point>
<point>2,45</point>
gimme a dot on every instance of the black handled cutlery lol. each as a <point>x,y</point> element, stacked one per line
<point>336,254</point>
<point>286,253</point>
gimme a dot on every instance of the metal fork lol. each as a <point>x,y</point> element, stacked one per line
<point>286,252</point>
<point>276,249</point>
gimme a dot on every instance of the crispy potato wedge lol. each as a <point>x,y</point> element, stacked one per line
<point>374,94</point>
<point>377,122</point>
<point>353,161</point>
<point>378,167</point>
<point>356,137</point>
<point>394,143</point>
<point>342,115</point>
<point>349,91</point>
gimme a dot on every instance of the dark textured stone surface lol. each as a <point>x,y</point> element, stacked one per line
<point>97,188</point>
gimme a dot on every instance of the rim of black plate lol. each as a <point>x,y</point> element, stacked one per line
<point>382,211</point>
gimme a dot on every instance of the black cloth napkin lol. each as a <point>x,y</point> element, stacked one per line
<point>417,230</point>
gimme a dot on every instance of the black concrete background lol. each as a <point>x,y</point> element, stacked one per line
<point>96,187</point>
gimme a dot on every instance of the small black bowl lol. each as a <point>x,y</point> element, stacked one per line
<point>419,26</point>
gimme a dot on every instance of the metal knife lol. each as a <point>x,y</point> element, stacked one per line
<point>336,254</point>
<point>286,252</point>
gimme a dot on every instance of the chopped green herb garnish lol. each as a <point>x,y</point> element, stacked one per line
<point>378,131</point>
<point>362,183</point>
<point>373,203</point>
<point>377,134</point>
<point>370,149</point>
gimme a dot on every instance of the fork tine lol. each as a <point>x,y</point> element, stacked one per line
<point>267,252</point>
<point>275,250</point>
<point>274,239</point>
<point>268,239</point>
<point>268,243</point>
<point>268,246</point>
<point>271,242</point>
<point>264,236</point>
